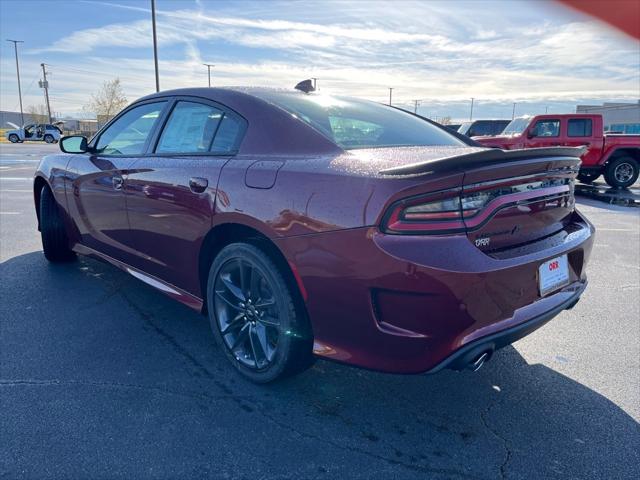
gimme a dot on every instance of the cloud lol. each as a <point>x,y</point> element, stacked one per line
<point>422,49</point>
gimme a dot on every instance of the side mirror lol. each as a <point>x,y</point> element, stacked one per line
<point>74,144</point>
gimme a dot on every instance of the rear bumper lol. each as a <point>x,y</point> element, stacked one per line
<point>465,355</point>
<point>410,303</point>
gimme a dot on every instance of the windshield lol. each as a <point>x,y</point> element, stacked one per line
<point>464,128</point>
<point>353,123</point>
<point>516,126</point>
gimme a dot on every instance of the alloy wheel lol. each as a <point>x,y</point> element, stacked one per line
<point>247,313</point>
<point>623,172</point>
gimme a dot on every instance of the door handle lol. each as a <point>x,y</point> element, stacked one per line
<point>198,184</point>
<point>118,182</point>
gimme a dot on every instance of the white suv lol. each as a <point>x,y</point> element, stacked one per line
<point>37,132</point>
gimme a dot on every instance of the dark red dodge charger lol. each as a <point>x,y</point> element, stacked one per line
<point>312,225</point>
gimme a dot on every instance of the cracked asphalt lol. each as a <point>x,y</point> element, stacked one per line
<point>101,376</point>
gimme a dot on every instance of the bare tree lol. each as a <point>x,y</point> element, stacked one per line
<point>38,113</point>
<point>109,100</point>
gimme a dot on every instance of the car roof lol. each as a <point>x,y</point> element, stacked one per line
<point>271,129</point>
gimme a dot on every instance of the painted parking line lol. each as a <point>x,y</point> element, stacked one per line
<point>10,213</point>
<point>16,179</point>
<point>14,190</point>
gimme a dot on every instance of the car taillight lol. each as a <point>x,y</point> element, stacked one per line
<point>455,211</point>
<point>426,215</point>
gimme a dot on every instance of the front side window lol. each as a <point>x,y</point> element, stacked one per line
<point>546,128</point>
<point>579,127</point>
<point>353,123</point>
<point>129,133</point>
<point>190,128</point>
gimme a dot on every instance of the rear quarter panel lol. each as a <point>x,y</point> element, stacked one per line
<point>613,143</point>
<point>317,193</point>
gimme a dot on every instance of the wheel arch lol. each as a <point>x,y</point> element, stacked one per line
<point>224,234</point>
<point>38,184</point>
<point>633,152</point>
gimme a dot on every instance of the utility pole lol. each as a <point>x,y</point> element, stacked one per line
<point>513,112</point>
<point>390,92</point>
<point>471,114</point>
<point>155,42</point>
<point>546,109</point>
<point>45,84</point>
<point>415,106</point>
<point>15,47</point>
<point>209,65</point>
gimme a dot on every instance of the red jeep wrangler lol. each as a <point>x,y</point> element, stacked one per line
<point>616,156</point>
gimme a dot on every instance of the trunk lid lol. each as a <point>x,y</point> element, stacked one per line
<point>510,198</point>
<point>522,202</point>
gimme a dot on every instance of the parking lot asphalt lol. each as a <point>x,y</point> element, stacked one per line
<point>102,376</point>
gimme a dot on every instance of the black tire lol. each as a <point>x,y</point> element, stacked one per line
<point>49,138</point>
<point>588,177</point>
<point>13,138</point>
<point>622,172</point>
<point>287,337</point>
<point>55,242</point>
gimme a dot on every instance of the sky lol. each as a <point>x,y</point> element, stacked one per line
<point>538,54</point>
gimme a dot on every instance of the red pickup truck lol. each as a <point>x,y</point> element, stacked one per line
<point>614,155</point>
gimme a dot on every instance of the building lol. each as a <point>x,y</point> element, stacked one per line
<point>617,117</point>
<point>6,118</point>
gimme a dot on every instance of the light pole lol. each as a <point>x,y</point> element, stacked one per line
<point>155,42</point>
<point>209,65</point>
<point>415,106</point>
<point>471,113</point>
<point>15,48</point>
<point>390,92</point>
<point>513,112</point>
<point>45,85</point>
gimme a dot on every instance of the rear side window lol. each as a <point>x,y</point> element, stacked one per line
<point>190,128</point>
<point>547,128</point>
<point>128,134</point>
<point>480,128</point>
<point>228,135</point>
<point>579,127</point>
<point>498,127</point>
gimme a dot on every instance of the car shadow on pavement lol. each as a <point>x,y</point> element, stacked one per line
<point>100,375</point>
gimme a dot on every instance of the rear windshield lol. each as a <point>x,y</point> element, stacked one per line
<point>353,123</point>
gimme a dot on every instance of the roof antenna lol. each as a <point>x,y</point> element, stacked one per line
<point>306,86</point>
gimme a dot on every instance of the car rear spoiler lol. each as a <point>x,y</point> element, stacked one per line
<point>486,157</point>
